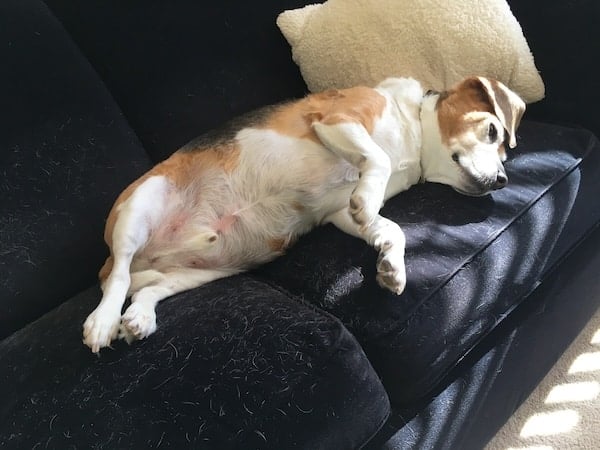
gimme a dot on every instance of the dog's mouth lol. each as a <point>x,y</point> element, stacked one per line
<point>479,186</point>
<point>472,193</point>
<point>478,189</point>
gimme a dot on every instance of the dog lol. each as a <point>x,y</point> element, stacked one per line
<point>234,199</point>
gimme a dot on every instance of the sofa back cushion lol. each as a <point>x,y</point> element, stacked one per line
<point>65,153</point>
<point>565,38</point>
<point>180,68</point>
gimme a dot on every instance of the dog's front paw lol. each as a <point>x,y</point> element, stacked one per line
<point>138,322</point>
<point>391,273</point>
<point>100,328</point>
<point>363,208</point>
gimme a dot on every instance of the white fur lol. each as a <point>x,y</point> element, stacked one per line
<point>167,239</point>
<point>137,216</point>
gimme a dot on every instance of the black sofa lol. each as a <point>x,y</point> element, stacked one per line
<point>306,352</point>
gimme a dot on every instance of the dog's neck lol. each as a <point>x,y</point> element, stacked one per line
<point>430,131</point>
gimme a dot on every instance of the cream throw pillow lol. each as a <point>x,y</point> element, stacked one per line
<point>344,43</point>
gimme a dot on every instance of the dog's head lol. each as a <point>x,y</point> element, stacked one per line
<point>465,131</point>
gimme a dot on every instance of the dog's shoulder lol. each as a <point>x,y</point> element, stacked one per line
<point>295,118</point>
<point>402,90</point>
<point>358,104</point>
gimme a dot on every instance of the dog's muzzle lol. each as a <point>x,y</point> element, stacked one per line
<point>479,188</point>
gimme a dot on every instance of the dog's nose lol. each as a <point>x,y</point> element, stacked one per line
<point>501,180</point>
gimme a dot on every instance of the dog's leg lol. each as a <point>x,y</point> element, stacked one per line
<point>136,216</point>
<point>143,278</point>
<point>139,320</point>
<point>352,142</point>
<point>387,238</point>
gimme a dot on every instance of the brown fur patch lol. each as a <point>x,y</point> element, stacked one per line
<point>358,105</point>
<point>468,96</point>
<point>277,244</point>
<point>297,206</point>
<point>293,120</point>
<point>105,269</point>
<point>181,168</point>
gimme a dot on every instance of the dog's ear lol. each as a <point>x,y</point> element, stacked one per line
<point>508,106</point>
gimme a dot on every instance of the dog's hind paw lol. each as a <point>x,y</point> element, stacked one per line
<point>138,322</point>
<point>100,328</point>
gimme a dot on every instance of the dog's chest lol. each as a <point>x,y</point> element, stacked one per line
<point>275,165</point>
<point>398,132</point>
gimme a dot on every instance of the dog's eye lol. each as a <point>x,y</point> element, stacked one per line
<point>455,157</point>
<point>492,132</point>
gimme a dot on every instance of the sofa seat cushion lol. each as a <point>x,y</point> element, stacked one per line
<point>470,261</point>
<point>233,364</point>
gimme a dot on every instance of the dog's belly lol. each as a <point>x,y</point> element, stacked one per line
<point>235,234</point>
<point>250,216</point>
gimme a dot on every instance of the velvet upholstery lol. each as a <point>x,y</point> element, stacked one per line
<point>564,38</point>
<point>305,352</point>
<point>470,261</point>
<point>59,131</point>
<point>234,364</point>
<point>490,383</point>
<point>176,75</point>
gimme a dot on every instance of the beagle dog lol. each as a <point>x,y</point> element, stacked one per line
<point>231,200</point>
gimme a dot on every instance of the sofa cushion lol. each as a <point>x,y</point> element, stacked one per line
<point>470,261</point>
<point>490,383</point>
<point>180,68</point>
<point>233,364</point>
<point>340,44</point>
<point>563,58</point>
<point>65,153</point>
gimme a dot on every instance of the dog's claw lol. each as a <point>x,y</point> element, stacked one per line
<point>138,322</point>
